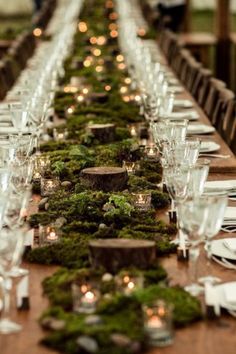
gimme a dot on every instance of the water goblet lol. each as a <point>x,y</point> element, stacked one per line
<point>192,216</point>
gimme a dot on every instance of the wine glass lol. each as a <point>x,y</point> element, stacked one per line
<point>11,249</point>
<point>19,117</point>
<point>192,216</point>
<point>218,201</point>
<point>198,176</point>
<point>177,183</point>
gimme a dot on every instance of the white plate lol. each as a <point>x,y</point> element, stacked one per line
<point>200,129</point>
<point>175,89</point>
<point>209,146</point>
<point>221,297</point>
<point>183,103</point>
<point>228,185</point>
<point>230,213</point>
<point>12,130</point>
<point>218,249</point>
<point>190,115</point>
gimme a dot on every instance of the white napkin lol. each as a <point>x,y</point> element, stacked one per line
<point>183,103</point>
<point>200,128</point>
<point>230,243</point>
<point>12,130</point>
<point>209,146</point>
<point>230,213</point>
<point>230,292</point>
<point>175,89</point>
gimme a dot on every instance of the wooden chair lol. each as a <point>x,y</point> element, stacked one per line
<point>233,137</point>
<point>3,83</point>
<point>200,85</point>
<point>211,101</point>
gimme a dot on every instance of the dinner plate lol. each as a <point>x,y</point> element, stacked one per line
<point>183,103</point>
<point>175,89</point>
<point>228,185</point>
<point>218,249</point>
<point>200,129</point>
<point>221,294</point>
<point>209,146</point>
<point>190,115</point>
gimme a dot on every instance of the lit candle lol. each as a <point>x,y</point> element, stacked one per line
<point>154,322</point>
<point>52,236</point>
<point>130,166</point>
<point>142,200</point>
<point>133,130</point>
<point>151,152</point>
<point>70,110</point>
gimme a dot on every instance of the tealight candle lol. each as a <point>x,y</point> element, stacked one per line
<point>142,200</point>
<point>48,234</point>
<point>36,176</point>
<point>127,283</point>
<point>70,110</point>
<point>85,298</point>
<point>158,324</point>
<point>151,152</point>
<point>131,167</point>
<point>133,130</point>
<point>59,134</point>
<point>43,163</point>
<point>49,186</point>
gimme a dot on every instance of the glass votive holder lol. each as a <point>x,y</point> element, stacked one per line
<point>36,176</point>
<point>134,130</point>
<point>158,323</point>
<point>131,167</point>
<point>142,200</point>
<point>85,297</point>
<point>48,234</point>
<point>151,152</point>
<point>49,186</point>
<point>42,163</point>
<point>128,283</point>
<point>60,134</point>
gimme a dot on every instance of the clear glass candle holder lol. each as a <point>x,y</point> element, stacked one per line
<point>131,167</point>
<point>60,134</point>
<point>151,152</point>
<point>158,323</point>
<point>142,200</point>
<point>128,283</point>
<point>85,297</point>
<point>42,163</point>
<point>49,186</point>
<point>48,234</point>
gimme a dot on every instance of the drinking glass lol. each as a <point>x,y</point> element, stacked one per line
<point>218,202</point>
<point>11,248</point>
<point>198,176</point>
<point>192,216</point>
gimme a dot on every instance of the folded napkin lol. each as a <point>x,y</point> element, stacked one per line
<point>200,128</point>
<point>12,130</point>
<point>230,292</point>
<point>209,146</point>
<point>230,243</point>
<point>175,89</point>
<point>230,213</point>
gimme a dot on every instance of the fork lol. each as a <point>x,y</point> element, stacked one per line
<point>229,229</point>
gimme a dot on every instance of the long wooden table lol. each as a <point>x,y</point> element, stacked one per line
<point>200,338</point>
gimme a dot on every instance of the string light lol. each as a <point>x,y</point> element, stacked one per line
<point>97,52</point>
<point>112,26</point>
<point>114,34</point>
<point>82,26</point>
<point>123,89</point>
<point>119,58</point>
<point>37,32</point>
<point>107,88</point>
<point>121,66</point>
<point>127,80</point>
<point>99,68</point>
<point>113,16</point>
<point>142,32</point>
<point>93,40</point>
<point>85,90</point>
<point>101,40</point>
<point>80,98</point>
<point>109,4</point>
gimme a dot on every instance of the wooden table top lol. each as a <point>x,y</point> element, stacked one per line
<point>200,338</point>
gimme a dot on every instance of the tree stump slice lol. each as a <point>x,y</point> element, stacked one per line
<point>104,133</point>
<point>114,254</point>
<point>104,178</point>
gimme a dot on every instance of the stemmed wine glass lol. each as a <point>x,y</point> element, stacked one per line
<point>11,249</point>
<point>198,176</point>
<point>218,201</point>
<point>192,216</point>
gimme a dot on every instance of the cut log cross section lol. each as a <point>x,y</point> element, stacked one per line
<point>104,178</point>
<point>104,133</point>
<point>114,254</point>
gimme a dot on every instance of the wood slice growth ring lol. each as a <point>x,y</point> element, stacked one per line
<point>104,133</point>
<point>114,254</point>
<point>104,178</point>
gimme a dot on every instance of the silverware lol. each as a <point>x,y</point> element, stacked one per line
<point>232,312</point>
<point>215,155</point>
<point>230,228</point>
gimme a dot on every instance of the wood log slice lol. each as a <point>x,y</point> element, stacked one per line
<point>104,178</point>
<point>114,254</point>
<point>105,133</point>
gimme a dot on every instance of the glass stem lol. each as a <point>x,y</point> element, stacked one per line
<point>6,287</point>
<point>209,253</point>
<point>194,254</point>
